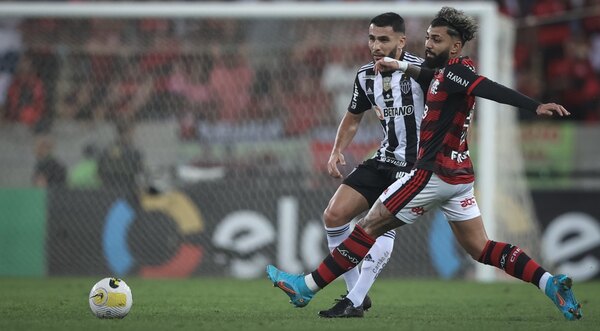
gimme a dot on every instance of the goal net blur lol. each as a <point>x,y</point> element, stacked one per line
<point>210,125</point>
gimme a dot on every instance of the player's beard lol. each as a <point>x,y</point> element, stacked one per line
<point>393,53</point>
<point>437,61</point>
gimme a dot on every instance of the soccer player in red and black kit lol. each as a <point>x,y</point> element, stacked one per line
<point>399,102</point>
<point>443,174</point>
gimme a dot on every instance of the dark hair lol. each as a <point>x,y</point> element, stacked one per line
<point>457,23</point>
<point>389,19</point>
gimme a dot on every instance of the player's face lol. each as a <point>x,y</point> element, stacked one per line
<point>383,41</point>
<point>439,46</point>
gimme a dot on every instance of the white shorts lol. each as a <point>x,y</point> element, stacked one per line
<point>413,195</point>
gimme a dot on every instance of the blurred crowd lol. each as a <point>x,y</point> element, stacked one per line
<point>228,79</point>
<point>557,55</point>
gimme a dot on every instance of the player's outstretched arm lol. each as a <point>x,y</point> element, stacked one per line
<point>491,90</point>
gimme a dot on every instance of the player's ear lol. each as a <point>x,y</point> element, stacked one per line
<point>456,47</point>
<point>401,42</point>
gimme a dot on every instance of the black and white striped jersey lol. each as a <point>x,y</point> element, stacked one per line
<point>401,101</point>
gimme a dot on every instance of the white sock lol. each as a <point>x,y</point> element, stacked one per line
<point>335,236</point>
<point>311,284</point>
<point>544,280</point>
<point>372,265</point>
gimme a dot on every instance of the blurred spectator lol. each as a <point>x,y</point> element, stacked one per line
<point>189,83</point>
<point>120,164</point>
<point>84,175</point>
<point>574,80</point>
<point>26,100</point>
<point>338,78</point>
<point>230,81</point>
<point>161,51</point>
<point>129,91</point>
<point>48,170</point>
<point>10,50</point>
<point>307,105</point>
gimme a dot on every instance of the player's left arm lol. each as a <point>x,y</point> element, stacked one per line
<point>464,78</point>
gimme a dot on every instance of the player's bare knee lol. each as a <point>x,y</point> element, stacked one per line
<point>332,218</point>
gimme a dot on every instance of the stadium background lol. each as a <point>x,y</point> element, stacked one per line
<point>226,172</point>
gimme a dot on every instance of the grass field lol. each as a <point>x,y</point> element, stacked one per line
<point>225,304</point>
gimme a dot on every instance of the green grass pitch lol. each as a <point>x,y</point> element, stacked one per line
<point>227,304</point>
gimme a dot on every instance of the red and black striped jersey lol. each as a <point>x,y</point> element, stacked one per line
<point>443,146</point>
<point>402,102</point>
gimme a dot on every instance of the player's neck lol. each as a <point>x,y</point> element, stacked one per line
<point>400,55</point>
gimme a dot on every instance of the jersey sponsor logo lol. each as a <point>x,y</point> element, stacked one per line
<point>425,111</point>
<point>345,253</point>
<point>353,104</point>
<point>405,86</point>
<point>434,87</point>
<point>387,83</point>
<point>459,156</point>
<point>513,256</point>
<point>393,161</point>
<point>463,135</point>
<point>398,111</point>
<point>468,202</point>
<point>418,211</point>
<point>457,79</point>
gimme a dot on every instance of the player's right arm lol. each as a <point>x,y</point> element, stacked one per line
<point>348,127</point>
<point>421,75</point>
<point>345,133</point>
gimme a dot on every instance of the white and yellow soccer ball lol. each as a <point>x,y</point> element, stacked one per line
<point>110,298</point>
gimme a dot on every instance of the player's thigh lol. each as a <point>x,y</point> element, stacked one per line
<point>345,204</point>
<point>464,218</point>
<point>459,203</point>
<point>411,196</point>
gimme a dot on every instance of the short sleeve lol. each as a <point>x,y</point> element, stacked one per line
<point>359,102</point>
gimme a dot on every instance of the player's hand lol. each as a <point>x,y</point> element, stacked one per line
<point>378,112</point>
<point>389,64</point>
<point>549,109</point>
<point>332,168</point>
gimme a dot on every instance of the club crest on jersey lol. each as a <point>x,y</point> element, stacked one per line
<point>434,86</point>
<point>387,83</point>
<point>405,86</point>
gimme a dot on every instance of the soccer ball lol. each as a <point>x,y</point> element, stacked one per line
<point>110,298</point>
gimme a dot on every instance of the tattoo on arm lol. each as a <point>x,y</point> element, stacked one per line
<point>413,71</point>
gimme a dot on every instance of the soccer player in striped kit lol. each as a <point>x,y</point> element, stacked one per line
<point>443,174</point>
<point>399,103</point>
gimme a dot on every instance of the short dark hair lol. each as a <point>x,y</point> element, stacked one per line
<point>457,22</point>
<point>390,19</point>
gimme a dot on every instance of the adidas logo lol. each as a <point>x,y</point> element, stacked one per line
<point>368,258</point>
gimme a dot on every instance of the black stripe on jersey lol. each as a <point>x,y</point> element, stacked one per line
<point>366,67</point>
<point>388,97</point>
<point>412,59</point>
<point>370,84</point>
<point>410,123</point>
